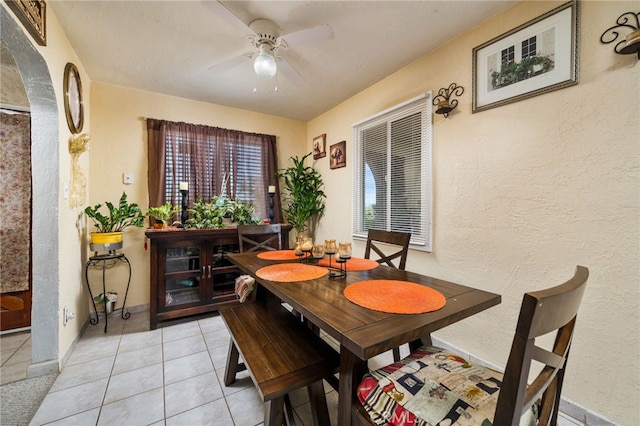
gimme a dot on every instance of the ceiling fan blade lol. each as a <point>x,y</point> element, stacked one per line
<point>310,35</point>
<point>290,73</point>
<point>228,64</point>
<point>228,16</point>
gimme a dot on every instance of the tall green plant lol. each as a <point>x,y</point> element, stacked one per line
<point>118,216</point>
<point>303,198</point>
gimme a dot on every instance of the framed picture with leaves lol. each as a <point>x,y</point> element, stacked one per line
<point>320,146</point>
<point>338,155</point>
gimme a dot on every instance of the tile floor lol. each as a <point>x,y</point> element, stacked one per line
<point>169,376</point>
<point>15,356</point>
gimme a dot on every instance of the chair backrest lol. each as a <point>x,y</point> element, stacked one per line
<point>259,237</point>
<point>390,238</point>
<point>542,312</point>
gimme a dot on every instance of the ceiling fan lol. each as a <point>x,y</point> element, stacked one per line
<point>264,36</point>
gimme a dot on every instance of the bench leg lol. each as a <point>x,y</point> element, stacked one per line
<point>274,412</point>
<point>289,417</point>
<point>232,364</point>
<point>318,400</point>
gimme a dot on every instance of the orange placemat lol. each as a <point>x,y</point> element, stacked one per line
<point>353,264</point>
<point>277,255</point>
<point>398,297</point>
<point>291,272</point>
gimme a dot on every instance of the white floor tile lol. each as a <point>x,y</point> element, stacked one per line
<point>187,366</point>
<point>67,402</point>
<point>141,409</point>
<point>211,414</point>
<point>247,409</point>
<point>85,372</point>
<point>134,382</point>
<point>127,361</point>
<point>190,393</point>
<point>182,347</point>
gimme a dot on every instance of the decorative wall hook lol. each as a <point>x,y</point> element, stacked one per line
<point>444,105</point>
<point>630,44</point>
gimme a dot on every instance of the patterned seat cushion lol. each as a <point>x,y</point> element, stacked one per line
<point>430,387</point>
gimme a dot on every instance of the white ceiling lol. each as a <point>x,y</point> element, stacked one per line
<point>168,46</point>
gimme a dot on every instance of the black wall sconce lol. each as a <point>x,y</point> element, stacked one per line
<point>630,44</point>
<point>444,105</point>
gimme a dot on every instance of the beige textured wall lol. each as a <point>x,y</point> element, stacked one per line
<point>525,192</point>
<point>119,144</point>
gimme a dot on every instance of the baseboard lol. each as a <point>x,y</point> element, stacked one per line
<point>568,407</point>
<point>43,368</point>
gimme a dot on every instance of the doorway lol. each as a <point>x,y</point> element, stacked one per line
<point>15,204</point>
<point>15,210</point>
<point>45,259</point>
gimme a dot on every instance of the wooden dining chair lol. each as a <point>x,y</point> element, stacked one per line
<point>259,237</point>
<point>397,241</point>
<point>398,244</point>
<point>432,376</point>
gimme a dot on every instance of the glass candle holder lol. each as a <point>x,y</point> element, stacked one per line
<point>317,252</point>
<point>307,243</point>
<point>330,246</point>
<point>298,248</point>
<point>344,250</point>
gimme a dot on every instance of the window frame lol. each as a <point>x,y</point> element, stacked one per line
<point>422,104</point>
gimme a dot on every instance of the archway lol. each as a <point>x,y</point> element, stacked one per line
<point>45,180</point>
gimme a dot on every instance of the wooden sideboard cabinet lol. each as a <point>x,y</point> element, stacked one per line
<point>190,273</point>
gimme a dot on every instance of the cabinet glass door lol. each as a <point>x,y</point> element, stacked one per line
<point>182,276</point>
<point>224,273</point>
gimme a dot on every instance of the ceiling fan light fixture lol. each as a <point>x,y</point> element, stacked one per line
<point>265,65</point>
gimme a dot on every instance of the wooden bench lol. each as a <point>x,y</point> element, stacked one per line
<point>281,355</point>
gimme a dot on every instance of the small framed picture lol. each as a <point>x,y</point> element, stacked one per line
<point>320,146</point>
<point>338,155</point>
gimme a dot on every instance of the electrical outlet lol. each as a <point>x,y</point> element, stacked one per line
<point>67,315</point>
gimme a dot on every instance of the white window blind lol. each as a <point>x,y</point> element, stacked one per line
<point>392,172</point>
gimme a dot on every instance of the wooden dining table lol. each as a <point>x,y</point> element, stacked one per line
<point>361,332</point>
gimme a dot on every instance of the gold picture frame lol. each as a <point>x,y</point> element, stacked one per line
<point>320,146</point>
<point>33,15</point>
<point>73,104</point>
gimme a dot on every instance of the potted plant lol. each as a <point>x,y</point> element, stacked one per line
<point>111,225</point>
<point>160,215</point>
<point>218,213</point>
<point>108,299</point>
<point>303,197</point>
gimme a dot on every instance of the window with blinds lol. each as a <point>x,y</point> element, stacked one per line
<point>242,163</point>
<point>393,179</point>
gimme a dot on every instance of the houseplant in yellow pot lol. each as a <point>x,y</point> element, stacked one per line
<point>111,225</point>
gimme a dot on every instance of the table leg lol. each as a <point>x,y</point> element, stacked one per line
<point>352,369</point>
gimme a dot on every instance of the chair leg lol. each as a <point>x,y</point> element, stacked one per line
<point>274,412</point>
<point>232,364</point>
<point>318,400</point>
